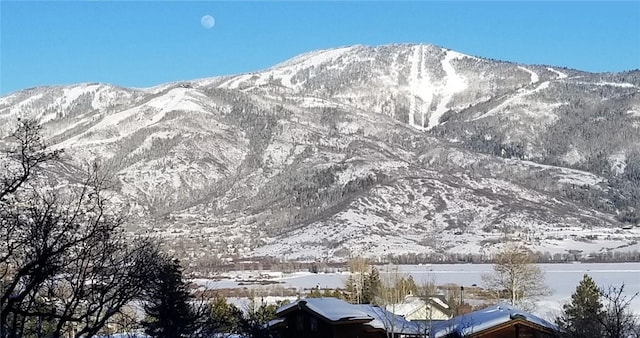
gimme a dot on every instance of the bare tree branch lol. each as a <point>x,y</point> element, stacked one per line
<point>65,266</point>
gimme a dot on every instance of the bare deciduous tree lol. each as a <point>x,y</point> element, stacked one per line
<point>617,319</point>
<point>358,268</point>
<point>394,287</point>
<point>516,277</point>
<point>65,266</point>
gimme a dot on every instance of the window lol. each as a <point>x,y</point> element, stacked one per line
<point>313,324</point>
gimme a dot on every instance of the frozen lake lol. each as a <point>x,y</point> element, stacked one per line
<point>561,278</point>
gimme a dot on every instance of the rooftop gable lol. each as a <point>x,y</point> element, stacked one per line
<point>331,309</point>
<point>338,311</point>
<point>413,304</point>
<point>487,318</point>
<point>386,320</point>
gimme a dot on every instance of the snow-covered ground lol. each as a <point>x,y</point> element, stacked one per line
<point>454,83</point>
<point>534,76</point>
<point>560,74</point>
<point>561,278</point>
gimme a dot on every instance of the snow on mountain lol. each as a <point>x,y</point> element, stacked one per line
<point>454,84</point>
<point>560,74</point>
<point>361,150</point>
<point>534,77</point>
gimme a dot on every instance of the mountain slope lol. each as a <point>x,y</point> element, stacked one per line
<point>363,151</point>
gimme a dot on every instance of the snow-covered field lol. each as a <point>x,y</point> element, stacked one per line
<point>561,278</point>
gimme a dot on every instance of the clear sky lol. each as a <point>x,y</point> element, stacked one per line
<point>144,43</point>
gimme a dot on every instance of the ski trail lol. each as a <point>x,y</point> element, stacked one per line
<point>520,96</point>
<point>423,112</point>
<point>420,88</point>
<point>423,89</point>
<point>454,83</point>
<point>234,82</point>
<point>534,76</point>
<point>561,75</point>
<point>413,79</point>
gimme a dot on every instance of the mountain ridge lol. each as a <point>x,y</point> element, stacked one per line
<point>316,156</point>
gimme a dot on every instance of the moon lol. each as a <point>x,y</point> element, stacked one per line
<point>207,21</point>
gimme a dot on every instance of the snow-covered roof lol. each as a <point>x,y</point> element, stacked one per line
<point>124,335</point>
<point>405,309</point>
<point>440,301</point>
<point>486,318</point>
<point>334,309</point>
<point>275,322</point>
<point>413,304</point>
<point>386,320</point>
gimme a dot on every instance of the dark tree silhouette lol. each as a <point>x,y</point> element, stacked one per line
<point>167,308</point>
<point>257,316</point>
<point>618,320</point>
<point>599,312</point>
<point>580,318</point>
<point>223,318</point>
<point>65,267</point>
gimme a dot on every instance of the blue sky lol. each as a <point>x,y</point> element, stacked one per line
<point>140,44</point>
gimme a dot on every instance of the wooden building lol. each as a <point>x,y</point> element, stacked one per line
<point>334,318</point>
<point>499,321</point>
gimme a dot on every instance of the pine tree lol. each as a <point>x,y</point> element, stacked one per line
<point>406,286</point>
<point>580,318</point>
<point>351,290</point>
<point>315,293</point>
<point>257,317</point>
<point>168,314</point>
<point>371,286</point>
<point>223,318</point>
<point>335,293</point>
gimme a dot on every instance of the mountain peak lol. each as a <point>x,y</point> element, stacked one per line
<point>361,150</point>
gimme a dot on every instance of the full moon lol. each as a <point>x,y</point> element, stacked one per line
<point>207,21</point>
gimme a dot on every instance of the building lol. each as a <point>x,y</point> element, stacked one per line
<point>335,318</point>
<point>498,321</point>
<point>424,309</point>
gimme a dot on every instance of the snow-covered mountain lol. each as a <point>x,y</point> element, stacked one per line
<point>375,151</point>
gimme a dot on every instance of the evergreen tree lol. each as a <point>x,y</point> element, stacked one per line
<point>223,317</point>
<point>351,290</point>
<point>335,293</point>
<point>406,286</point>
<point>315,293</point>
<point>168,314</point>
<point>581,317</point>
<point>371,286</point>
<point>257,317</point>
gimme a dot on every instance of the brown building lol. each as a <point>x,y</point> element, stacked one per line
<point>499,321</point>
<point>334,318</point>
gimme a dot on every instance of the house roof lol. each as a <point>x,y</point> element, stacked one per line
<point>412,304</point>
<point>275,322</point>
<point>336,310</point>
<point>387,320</point>
<point>441,302</point>
<point>487,318</point>
<point>332,309</point>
